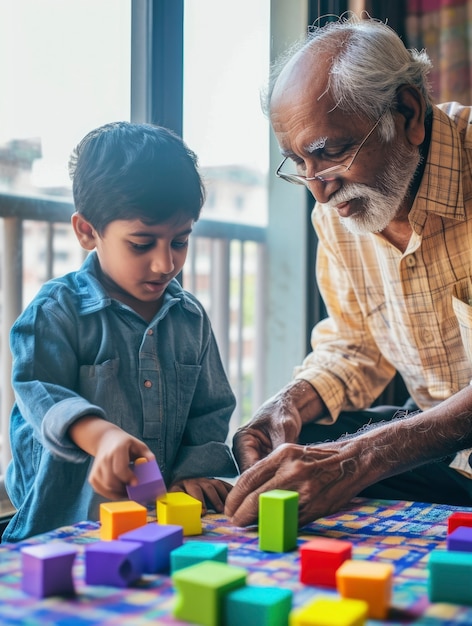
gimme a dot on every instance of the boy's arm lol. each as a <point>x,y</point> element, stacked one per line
<point>113,450</point>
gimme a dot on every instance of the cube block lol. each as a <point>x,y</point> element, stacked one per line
<point>201,590</point>
<point>450,577</point>
<point>278,520</point>
<point>182,510</point>
<point>47,569</point>
<point>369,581</point>
<point>258,606</point>
<point>330,612</point>
<point>117,518</point>
<point>158,541</point>
<point>151,485</point>
<point>114,563</point>
<point>460,539</point>
<point>320,558</point>
<point>193,552</point>
<point>458,518</point>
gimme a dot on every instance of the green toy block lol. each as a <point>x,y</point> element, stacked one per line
<point>330,612</point>
<point>450,577</point>
<point>258,606</point>
<point>201,589</point>
<point>278,520</point>
<point>193,552</point>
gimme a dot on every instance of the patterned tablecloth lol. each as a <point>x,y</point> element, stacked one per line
<point>402,533</point>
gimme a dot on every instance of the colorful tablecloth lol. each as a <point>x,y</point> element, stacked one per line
<point>402,533</point>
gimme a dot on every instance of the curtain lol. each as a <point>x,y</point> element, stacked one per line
<point>444,29</point>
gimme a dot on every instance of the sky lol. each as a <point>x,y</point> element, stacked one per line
<point>65,67</point>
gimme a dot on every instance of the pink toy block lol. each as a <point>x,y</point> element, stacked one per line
<point>114,563</point>
<point>47,569</point>
<point>369,581</point>
<point>320,558</point>
<point>158,541</point>
<point>151,485</point>
<point>460,539</point>
<point>458,518</point>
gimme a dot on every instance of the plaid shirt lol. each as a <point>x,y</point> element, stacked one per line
<point>406,311</point>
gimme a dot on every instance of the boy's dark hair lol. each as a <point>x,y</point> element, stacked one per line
<point>125,170</point>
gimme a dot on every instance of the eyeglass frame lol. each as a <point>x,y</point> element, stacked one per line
<point>299,179</point>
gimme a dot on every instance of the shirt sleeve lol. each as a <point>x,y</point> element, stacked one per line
<point>45,372</point>
<point>345,366</point>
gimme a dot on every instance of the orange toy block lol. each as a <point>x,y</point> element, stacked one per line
<point>369,581</point>
<point>182,510</point>
<point>117,518</point>
<point>457,519</point>
<point>330,612</point>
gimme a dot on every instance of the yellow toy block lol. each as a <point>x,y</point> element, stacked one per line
<point>330,612</point>
<point>369,581</point>
<point>117,518</point>
<point>182,510</point>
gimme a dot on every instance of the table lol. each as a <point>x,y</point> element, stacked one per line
<point>402,533</point>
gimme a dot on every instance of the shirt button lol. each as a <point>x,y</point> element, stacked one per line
<point>147,383</point>
<point>150,331</point>
<point>410,260</point>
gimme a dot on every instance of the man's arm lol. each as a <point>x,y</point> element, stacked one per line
<point>329,475</point>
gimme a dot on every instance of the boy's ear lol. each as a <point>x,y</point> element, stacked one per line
<point>84,231</point>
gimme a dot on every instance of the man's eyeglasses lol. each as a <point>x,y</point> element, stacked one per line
<point>331,173</point>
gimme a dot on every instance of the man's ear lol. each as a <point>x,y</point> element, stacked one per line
<point>412,109</point>
<point>84,231</point>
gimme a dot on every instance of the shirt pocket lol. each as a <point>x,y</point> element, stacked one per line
<point>99,384</point>
<point>186,382</point>
<point>462,305</point>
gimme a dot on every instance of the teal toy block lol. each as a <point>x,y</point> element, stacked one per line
<point>47,569</point>
<point>158,541</point>
<point>258,606</point>
<point>278,520</point>
<point>201,590</point>
<point>193,552</point>
<point>450,577</point>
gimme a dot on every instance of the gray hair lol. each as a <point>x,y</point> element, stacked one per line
<point>369,64</point>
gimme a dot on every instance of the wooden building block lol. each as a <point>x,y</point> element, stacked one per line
<point>369,581</point>
<point>117,518</point>
<point>330,612</point>
<point>193,552</point>
<point>278,520</point>
<point>158,541</point>
<point>151,485</point>
<point>458,518</point>
<point>201,589</point>
<point>450,577</point>
<point>114,563</point>
<point>182,510</point>
<point>47,569</point>
<point>460,539</point>
<point>258,606</point>
<point>320,558</point>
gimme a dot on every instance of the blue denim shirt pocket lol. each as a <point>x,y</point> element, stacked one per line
<point>100,385</point>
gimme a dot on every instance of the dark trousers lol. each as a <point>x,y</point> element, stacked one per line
<point>433,482</point>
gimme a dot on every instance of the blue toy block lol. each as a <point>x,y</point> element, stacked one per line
<point>115,563</point>
<point>158,541</point>
<point>460,539</point>
<point>151,485</point>
<point>258,606</point>
<point>450,577</point>
<point>193,552</point>
<point>47,569</point>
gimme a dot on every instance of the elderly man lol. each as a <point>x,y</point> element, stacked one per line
<point>391,176</point>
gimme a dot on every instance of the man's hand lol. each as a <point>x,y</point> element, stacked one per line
<point>278,421</point>
<point>211,492</point>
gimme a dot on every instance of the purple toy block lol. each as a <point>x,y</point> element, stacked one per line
<point>47,569</point>
<point>151,485</point>
<point>114,563</point>
<point>460,539</point>
<point>158,541</point>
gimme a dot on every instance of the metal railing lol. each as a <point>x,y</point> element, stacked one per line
<point>225,269</point>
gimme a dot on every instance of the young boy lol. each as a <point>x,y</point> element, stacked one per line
<point>116,361</point>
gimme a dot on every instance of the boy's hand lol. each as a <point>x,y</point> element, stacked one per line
<point>113,449</point>
<point>211,492</point>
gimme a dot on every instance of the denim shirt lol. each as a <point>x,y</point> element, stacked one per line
<point>78,352</point>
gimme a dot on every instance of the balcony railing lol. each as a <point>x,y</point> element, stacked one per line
<point>225,270</point>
